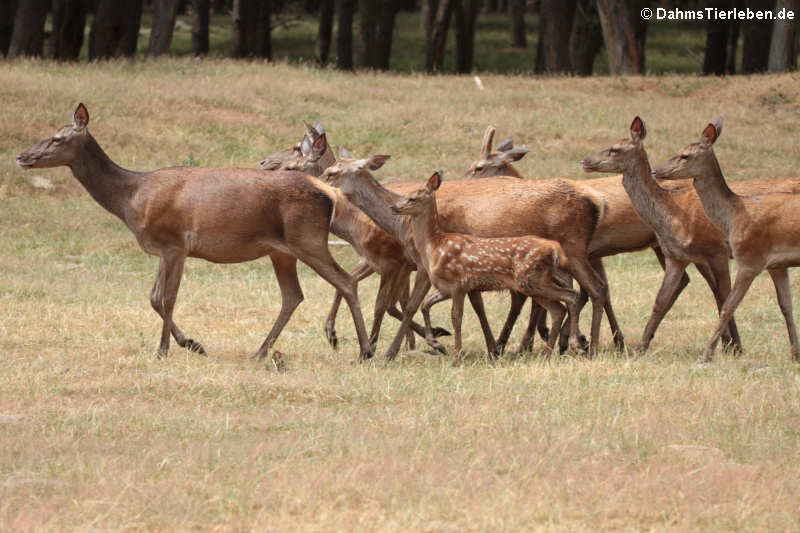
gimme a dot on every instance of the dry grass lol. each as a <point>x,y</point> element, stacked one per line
<point>98,435</point>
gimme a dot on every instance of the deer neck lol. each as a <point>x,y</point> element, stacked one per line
<point>109,184</point>
<point>375,200</point>
<point>652,203</point>
<point>719,202</point>
<point>426,232</point>
<point>509,170</point>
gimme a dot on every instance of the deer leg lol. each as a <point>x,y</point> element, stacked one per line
<point>401,295</point>
<point>156,300</point>
<point>780,278</point>
<point>431,299</point>
<point>476,300</point>
<point>744,278</point>
<point>285,267</point>
<point>361,271</point>
<point>163,296</point>
<point>588,279</point>
<point>421,285</point>
<point>456,313</point>
<point>517,301</point>
<point>673,271</point>
<point>384,298</point>
<point>616,332</point>
<point>320,260</point>
<point>557,313</point>
<point>718,277</point>
<point>684,279</point>
<point>537,318</point>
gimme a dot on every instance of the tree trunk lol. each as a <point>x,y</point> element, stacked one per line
<point>222,7</point>
<point>717,34</point>
<point>164,13</point>
<point>344,35</point>
<point>200,22</point>
<point>8,9</point>
<point>555,26</point>
<point>427,16</point>
<point>27,39</point>
<point>624,38</point>
<point>586,39</point>
<point>115,30</point>
<point>783,47</point>
<point>383,48</point>
<point>324,32</point>
<point>252,36</point>
<point>733,44</point>
<point>757,36</point>
<point>367,26</point>
<point>516,15</point>
<point>466,17</point>
<point>434,60</point>
<point>69,22</point>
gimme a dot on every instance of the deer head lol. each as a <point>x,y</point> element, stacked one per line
<point>311,156</point>
<point>495,163</point>
<point>62,148</point>
<point>616,158</point>
<point>692,161</point>
<point>420,200</point>
<point>279,160</point>
<point>346,173</point>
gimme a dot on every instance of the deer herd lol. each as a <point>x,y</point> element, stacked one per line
<point>489,231</point>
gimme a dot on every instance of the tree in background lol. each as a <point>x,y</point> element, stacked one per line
<point>27,38</point>
<point>69,22</point>
<point>624,34</point>
<point>8,9</point>
<point>466,12</point>
<point>555,28</point>
<point>115,30</point>
<point>722,37</point>
<point>586,38</point>
<point>252,36</point>
<point>516,16</point>
<point>324,32</point>
<point>201,12</point>
<point>784,44</point>
<point>164,13</point>
<point>385,35</point>
<point>757,36</point>
<point>344,35</point>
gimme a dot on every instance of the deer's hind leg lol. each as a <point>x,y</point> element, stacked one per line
<point>360,272</point>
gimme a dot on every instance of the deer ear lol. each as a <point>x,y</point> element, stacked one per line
<point>319,127</point>
<point>319,147</point>
<point>435,181</point>
<point>344,153</point>
<point>305,146</point>
<point>638,129</point>
<point>718,125</point>
<point>506,145</point>
<point>376,161</point>
<point>80,118</point>
<point>709,135</point>
<point>515,155</point>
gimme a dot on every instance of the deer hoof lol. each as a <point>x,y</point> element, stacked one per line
<point>333,340</point>
<point>194,346</point>
<point>278,362</point>
<point>440,332</point>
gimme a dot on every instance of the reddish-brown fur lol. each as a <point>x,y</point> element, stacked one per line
<point>459,263</point>
<point>762,229</point>
<point>222,215</point>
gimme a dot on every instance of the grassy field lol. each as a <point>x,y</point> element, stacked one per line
<point>96,434</point>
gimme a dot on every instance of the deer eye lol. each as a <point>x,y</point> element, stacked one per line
<point>58,139</point>
<point>613,150</point>
<point>684,156</point>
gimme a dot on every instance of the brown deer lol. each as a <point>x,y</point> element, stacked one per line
<point>684,233</point>
<point>220,215</point>
<point>620,229</point>
<point>379,251</point>
<point>762,229</point>
<point>459,263</point>
<point>554,209</point>
<point>279,160</point>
